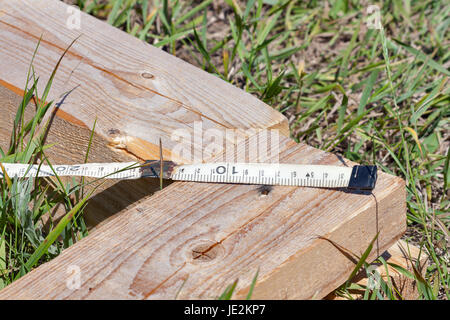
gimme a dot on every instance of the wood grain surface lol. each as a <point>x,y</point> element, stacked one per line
<point>145,92</point>
<point>201,237</point>
<point>190,240</point>
<point>70,143</point>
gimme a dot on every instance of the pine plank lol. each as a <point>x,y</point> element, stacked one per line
<point>145,91</point>
<point>207,235</point>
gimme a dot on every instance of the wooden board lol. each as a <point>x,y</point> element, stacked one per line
<point>145,92</point>
<point>292,235</point>
<point>196,237</point>
<point>71,142</point>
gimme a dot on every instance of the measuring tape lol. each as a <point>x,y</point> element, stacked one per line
<point>322,176</point>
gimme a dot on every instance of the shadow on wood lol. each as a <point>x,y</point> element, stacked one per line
<point>69,140</point>
<point>122,195</point>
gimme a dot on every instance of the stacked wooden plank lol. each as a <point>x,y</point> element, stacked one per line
<point>190,239</point>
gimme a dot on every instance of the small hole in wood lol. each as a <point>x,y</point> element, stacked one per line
<point>147,75</point>
<point>264,190</point>
<point>113,132</point>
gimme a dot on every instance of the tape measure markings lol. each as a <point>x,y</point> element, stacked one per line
<point>324,176</point>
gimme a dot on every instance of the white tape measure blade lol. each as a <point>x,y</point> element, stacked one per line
<point>324,176</point>
<point>119,170</point>
<point>265,173</point>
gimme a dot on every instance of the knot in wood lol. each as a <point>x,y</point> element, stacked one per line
<point>206,251</point>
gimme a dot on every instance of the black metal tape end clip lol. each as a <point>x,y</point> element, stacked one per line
<point>363,178</point>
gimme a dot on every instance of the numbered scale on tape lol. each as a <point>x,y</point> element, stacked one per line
<point>357,177</point>
<point>321,176</point>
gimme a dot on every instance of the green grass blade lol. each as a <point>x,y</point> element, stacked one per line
<point>367,90</point>
<point>228,293</point>
<point>252,286</point>
<point>423,57</point>
<point>362,259</point>
<point>192,12</point>
<point>54,234</point>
